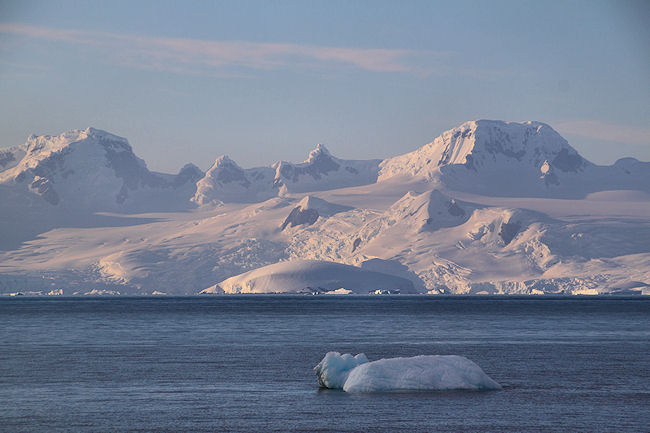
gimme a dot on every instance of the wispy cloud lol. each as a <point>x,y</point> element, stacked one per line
<point>13,70</point>
<point>196,55</point>
<point>605,131</point>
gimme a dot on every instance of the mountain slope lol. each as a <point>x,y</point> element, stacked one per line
<point>455,246</point>
<point>93,170</point>
<point>512,159</point>
<point>309,209</point>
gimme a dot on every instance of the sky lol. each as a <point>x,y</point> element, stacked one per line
<point>267,81</point>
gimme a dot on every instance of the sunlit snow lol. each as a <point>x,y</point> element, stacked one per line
<point>488,207</point>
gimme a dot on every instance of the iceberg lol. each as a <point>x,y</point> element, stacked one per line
<point>335,368</point>
<point>418,373</point>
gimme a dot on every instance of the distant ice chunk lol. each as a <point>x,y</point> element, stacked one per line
<point>341,291</point>
<point>102,292</point>
<point>419,373</point>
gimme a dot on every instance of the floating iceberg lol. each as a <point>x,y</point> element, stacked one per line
<point>419,373</point>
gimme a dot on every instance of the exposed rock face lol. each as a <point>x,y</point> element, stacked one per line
<point>455,210</point>
<point>308,211</point>
<point>189,174</point>
<point>299,216</point>
<point>568,160</point>
<point>509,230</point>
<point>127,167</point>
<point>5,158</point>
<point>356,244</point>
<point>45,189</point>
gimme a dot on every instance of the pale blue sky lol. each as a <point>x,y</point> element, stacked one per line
<point>261,81</point>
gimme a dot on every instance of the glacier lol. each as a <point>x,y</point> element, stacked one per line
<point>418,373</point>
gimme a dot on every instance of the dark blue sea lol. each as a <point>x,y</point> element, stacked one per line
<point>244,363</point>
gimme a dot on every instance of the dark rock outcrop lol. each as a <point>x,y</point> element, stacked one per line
<point>508,231</point>
<point>300,216</point>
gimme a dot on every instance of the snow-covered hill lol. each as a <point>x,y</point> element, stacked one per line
<point>488,207</point>
<point>310,276</point>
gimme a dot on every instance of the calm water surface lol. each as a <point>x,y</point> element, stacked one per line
<point>244,363</point>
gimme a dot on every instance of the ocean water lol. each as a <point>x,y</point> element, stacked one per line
<point>244,363</point>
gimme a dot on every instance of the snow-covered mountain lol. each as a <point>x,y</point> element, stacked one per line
<point>487,207</point>
<point>527,159</point>
<point>94,170</point>
<point>226,181</point>
<point>322,171</point>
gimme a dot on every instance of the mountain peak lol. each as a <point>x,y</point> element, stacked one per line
<point>319,152</point>
<point>226,170</point>
<point>43,145</point>
<point>491,139</point>
<point>324,208</point>
<point>223,161</point>
<point>90,168</point>
<point>227,181</point>
<point>483,144</point>
<point>100,133</point>
<point>190,168</point>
